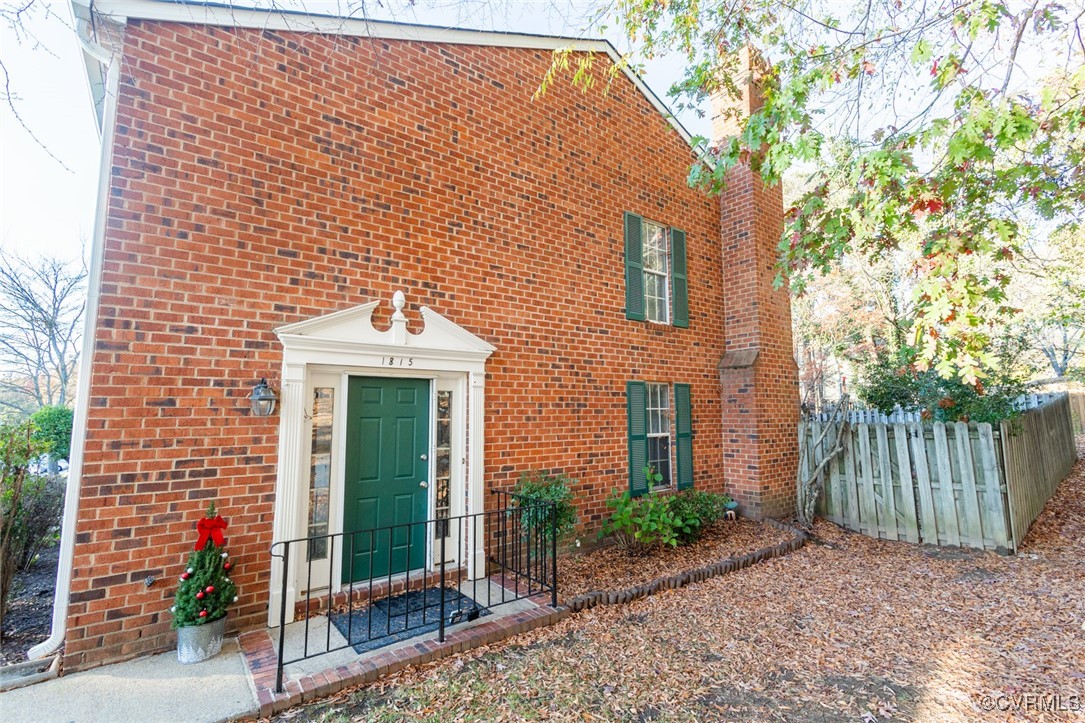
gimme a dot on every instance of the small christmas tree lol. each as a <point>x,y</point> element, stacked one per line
<point>206,589</point>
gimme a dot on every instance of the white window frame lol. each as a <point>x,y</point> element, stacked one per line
<point>654,392</point>
<point>664,273</point>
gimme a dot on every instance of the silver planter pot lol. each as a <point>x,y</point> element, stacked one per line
<point>197,643</point>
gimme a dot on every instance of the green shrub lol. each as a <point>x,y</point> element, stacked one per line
<point>639,525</point>
<point>30,505</point>
<point>706,508</point>
<point>892,380</point>
<point>888,383</point>
<point>38,523</point>
<point>542,486</point>
<point>53,427</point>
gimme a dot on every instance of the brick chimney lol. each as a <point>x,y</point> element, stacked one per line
<point>758,374</point>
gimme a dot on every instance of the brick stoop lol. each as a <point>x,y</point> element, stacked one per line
<point>261,659</point>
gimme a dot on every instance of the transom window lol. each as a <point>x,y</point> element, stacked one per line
<point>657,272</point>
<point>658,411</point>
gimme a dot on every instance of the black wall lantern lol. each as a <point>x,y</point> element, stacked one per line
<point>263,399</point>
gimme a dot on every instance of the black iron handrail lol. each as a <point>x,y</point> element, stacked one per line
<point>522,563</point>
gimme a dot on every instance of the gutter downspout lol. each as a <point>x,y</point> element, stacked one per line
<point>82,391</point>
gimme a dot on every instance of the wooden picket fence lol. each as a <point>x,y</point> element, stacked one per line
<point>1077,410</point>
<point>963,484</point>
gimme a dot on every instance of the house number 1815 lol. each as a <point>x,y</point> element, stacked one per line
<point>398,361</point>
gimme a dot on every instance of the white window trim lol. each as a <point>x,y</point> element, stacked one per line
<point>347,343</point>
<point>648,411</point>
<point>668,305</point>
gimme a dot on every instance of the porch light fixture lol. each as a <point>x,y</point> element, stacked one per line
<point>263,399</point>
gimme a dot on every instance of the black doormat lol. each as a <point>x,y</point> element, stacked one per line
<point>404,616</point>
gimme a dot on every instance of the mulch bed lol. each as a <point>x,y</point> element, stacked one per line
<point>611,568</point>
<point>850,629</point>
<point>30,615</point>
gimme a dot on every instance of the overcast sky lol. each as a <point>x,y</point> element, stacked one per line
<point>48,189</point>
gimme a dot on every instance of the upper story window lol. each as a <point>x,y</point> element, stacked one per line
<point>657,272</point>
<point>656,288</point>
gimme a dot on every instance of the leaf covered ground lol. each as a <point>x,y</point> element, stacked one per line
<point>610,568</point>
<point>849,629</point>
<point>29,619</point>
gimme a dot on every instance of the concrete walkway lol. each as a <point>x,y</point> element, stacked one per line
<point>158,689</point>
<point>152,689</point>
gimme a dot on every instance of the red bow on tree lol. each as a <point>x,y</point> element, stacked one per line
<point>211,527</point>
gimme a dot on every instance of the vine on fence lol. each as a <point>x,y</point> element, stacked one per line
<point>810,485</point>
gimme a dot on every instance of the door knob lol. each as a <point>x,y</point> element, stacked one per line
<point>423,483</point>
<point>423,457</point>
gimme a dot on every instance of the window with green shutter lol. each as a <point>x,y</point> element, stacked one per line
<point>656,285</point>
<point>683,435</point>
<point>636,397</point>
<point>660,435</point>
<point>679,284</point>
<point>634,267</point>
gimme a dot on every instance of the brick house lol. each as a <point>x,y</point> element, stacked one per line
<point>360,211</point>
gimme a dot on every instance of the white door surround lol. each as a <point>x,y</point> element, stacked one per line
<point>346,342</point>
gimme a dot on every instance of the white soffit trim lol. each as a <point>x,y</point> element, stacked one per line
<point>271,19</point>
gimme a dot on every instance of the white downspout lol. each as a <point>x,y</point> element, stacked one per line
<point>82,390</point>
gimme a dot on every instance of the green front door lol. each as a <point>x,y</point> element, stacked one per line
<point>386,471</point>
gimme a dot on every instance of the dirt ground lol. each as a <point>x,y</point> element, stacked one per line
<point>29,618</point>
<point>848,629</point>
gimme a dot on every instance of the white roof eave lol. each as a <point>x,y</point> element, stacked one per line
<point>274,19</point>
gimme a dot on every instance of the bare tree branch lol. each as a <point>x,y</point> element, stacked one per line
<point>41,311</point>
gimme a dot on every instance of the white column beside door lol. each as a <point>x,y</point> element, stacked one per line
<point>287,511</point>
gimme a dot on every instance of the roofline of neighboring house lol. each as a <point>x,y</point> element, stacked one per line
<point>225,15</point>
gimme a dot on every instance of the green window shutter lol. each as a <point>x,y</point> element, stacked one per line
<point>679,284</point>
<point>634,267</point>
<point>636,397</point>
<point>683,435</point>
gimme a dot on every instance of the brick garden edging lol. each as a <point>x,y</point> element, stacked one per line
<point>260,658</point>
<point>672,582</point>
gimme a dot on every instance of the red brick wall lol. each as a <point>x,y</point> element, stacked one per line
<point>759,376</point>
<point>260,179</point>
<point>760,401</point>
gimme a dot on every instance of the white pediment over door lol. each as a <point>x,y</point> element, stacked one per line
<point>353,328</point>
